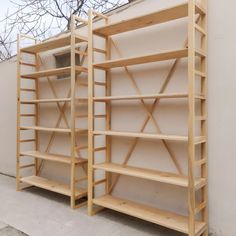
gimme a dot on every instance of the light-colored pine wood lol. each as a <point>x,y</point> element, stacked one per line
<point>52,186</point>
<point>149,136</point>
<point>90,114</point>
<point>33,101</point>
<point>74,71</point>
<point>161,16</point>
<point>149,96</point>
<point>144,212</point>
<point>53,72</point>
<point>159,176</point>
<point>18,79</point>
<point>53,44</point>
<point>53,157</point>
<point>195,24</point>
<point>191,119</point>
<point>161,56</point>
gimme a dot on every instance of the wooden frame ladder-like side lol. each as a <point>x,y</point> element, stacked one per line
<point>197,208</point>
<point>195,181</point>
<point>75,159</point>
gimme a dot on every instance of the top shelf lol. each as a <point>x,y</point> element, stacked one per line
<point>164,15</point>
<point>53,44</point>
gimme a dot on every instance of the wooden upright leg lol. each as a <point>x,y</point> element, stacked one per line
<point>191,116</point>
<point>72,123</point>
<point>90,116</point>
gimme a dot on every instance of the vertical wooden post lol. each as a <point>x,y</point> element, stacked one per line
<point>191,116</point>
<point>18,115</point>
<point>36,161</point>
<point>108,110</point>
<point>204,81</point>
<point>90,114</point>
<point>72,108</point>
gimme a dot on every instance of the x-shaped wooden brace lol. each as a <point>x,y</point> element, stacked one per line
<point>62,115</point>
<point>149,116</point>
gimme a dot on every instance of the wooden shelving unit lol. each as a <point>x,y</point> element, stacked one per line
<point>75,159</point>
<point>195,181</point>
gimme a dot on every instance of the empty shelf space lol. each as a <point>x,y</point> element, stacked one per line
<point>60,130</point>
<point>53,43</point>
<point>52,157</point>
<point>161,16</point>
<point>162,56</point>
<point>144,212</point>
<point>198,139</point>
<point>53,72</point>
<point>52,186</point>
<point>163,177</point>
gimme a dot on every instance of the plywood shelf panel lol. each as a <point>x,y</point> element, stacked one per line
<point>159,176</point>
<point>53,72</point>
<point>52,186</point>
<point>161,16</point>
<point>53,44</point>
<point>148,136</point>
<point>144,212</point>
<point>53,157</point>
<point>161,56</point>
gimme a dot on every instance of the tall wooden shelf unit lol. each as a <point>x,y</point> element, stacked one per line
<point>196,222</point>
<point>74,159</point>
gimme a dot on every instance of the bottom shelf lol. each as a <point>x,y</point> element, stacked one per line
<point>53,186</point>
<point>154,215</point>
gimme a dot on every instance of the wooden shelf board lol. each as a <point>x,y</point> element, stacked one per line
<point>52,100</point>
<point>162,56</point>
<point>161,16</point>
<point>39,128</point>
<point>144,212</point>
<point>163,177</point>
<point>53,157</point>
<point>53,43</point>
<point>45,100</point>
<point>148,136</point>
<point>53,72</point>
<point>151,96</point>
<point>52,186</point>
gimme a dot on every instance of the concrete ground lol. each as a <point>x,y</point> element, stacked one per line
<point>37,212</point>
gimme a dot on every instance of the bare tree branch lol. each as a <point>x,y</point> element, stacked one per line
<point>44,18</point>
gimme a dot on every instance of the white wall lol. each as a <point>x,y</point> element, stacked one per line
<point>222,190</point>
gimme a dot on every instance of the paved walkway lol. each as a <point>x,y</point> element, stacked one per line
<point>6,230</point>
<point>37,212</point>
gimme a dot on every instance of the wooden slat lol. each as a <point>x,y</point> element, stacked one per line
<point>45,100</point>
<point>144,212</point>
<point>28,90</point>
<point>162,56</point>
<point>200,29</point>
<point>161,16</point>
<point>53,72</point>
<point>159,176</point>
<point>200,53</point>
<point>53,157</point>
<point>52,44</point>
<point>27,115</point>
<point>148,136</point>
<point>52,185</point>
<point>199,73</point>
<point>150,96</point>
<point>60,130</point>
